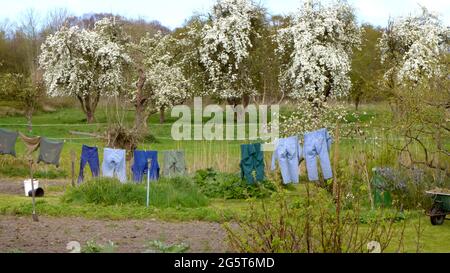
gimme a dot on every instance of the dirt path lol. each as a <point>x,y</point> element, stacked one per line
<point>52,234</point>
<point>15,185</point>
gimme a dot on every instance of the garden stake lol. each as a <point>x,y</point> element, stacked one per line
<point>72,155</point>
<point>337,185</point>
<point>148,181</point>
<point>307,225</point>
<point>35,217</point>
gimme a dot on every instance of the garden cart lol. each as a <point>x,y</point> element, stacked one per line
<point>441,206</point>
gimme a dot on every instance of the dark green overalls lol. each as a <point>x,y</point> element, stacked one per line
<point>252,163</point>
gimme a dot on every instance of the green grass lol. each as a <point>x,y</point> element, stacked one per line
<point>220,155</point>
<point>171,201</point>
<point>52,206</point>
<point>223,156</point>
<point>433,238</point>
<point>166,193</point>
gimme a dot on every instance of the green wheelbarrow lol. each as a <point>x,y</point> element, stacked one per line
<point>440,208</point>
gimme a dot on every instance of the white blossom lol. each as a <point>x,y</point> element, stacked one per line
<point>413,46</point>
<point>78,62</point>
<point>165,81</point>
<point>225,47</point>
<point>318,44</point>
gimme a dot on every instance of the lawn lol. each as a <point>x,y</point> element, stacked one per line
<point>219,155</point>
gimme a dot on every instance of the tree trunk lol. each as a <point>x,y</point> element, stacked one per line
<point>140,119</point>
<point>357,102</point>
<point>90,116</point>
<point>29,116</point>
<point>88,106</point>
<point>162,116</point>
<point>245,100</point>
<point>141,115</point>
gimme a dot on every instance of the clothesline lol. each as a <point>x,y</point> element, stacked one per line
<point>97,124</point>
<point>52,125</point>
<point>169,138</point>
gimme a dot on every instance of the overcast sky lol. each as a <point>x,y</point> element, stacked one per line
<point>172,13</point>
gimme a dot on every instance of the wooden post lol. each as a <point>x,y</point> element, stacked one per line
<point>337,192</point>
<point>367,177</point>
<point>335,164</point>
<point>308,216</point>
<point>72,156</point>
<point>35,217</point>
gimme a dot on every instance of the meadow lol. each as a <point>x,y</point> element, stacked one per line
<point>212,191</point>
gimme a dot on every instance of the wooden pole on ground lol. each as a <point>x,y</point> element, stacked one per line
<point>35,217</point>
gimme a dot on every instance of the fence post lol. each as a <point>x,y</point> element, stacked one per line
<point>72,156</point>
<point>35,217</point>
<point>337,192</point>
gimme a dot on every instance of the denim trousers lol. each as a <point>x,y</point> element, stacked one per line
<point>140,165</point>
<point>114,164</point>
<point>318,144</point>
<point>89,155</point>
<point>288,152</point>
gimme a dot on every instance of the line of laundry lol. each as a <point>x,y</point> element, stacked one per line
<point>288,152</point>
<point>114,164</point>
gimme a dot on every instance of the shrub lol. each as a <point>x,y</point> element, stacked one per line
<point>309,225</point>
<point>408,187</point>
<point>230,186</point>
<point>177,192</point>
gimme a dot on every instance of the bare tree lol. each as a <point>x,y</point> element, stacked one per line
<point>57,18</point>
<point>30,27</point>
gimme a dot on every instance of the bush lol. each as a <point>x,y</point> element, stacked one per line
<point>408,187</point>
<point>309,225</point>
<point>230,186</point>
<point>177,192</point>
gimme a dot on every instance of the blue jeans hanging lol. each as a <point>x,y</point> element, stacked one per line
<point>318,144</point>
<point>140,165</point>
<point>114,164</point>
<point>288,152</point>
<point>89,155</point>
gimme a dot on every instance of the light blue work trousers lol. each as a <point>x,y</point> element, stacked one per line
<point>318,144</point>
<point>288,152</point>
<point>114,164</point>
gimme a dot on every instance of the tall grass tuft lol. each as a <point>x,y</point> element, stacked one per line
<point>166,193</point>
